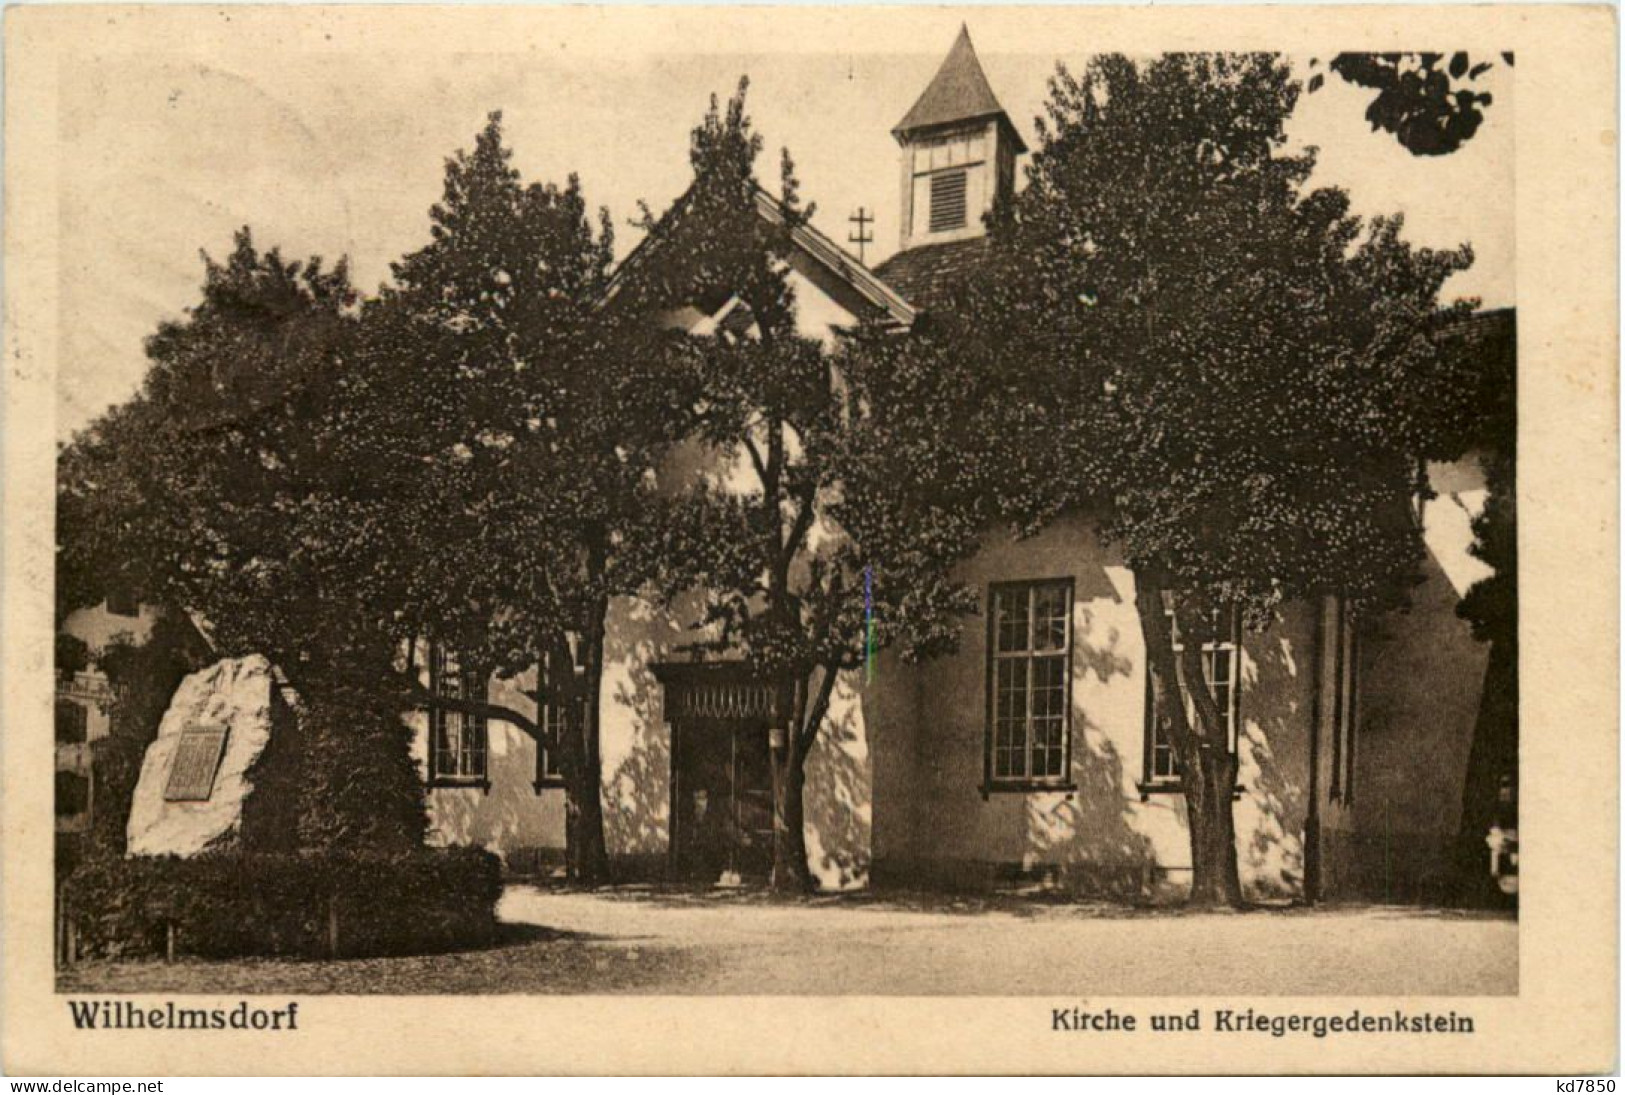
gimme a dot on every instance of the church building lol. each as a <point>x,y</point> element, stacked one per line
<point>1029,757</point>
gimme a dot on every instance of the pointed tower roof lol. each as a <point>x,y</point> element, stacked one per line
<point>959,92</point>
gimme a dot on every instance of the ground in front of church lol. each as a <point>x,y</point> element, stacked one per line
<point>645,941</point>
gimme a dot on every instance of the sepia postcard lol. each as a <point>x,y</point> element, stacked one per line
<point>783,540</point>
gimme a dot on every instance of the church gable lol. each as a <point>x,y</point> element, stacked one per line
<point>833,289</point>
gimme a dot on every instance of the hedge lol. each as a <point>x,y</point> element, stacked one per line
<point>327,904</point>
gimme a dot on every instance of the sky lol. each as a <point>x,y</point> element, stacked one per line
<point>341,152</point>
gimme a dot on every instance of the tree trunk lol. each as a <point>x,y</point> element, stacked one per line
<point>790,872</point>
<point>592,856</point>
<point>1207,768</point>
<point>1209,796</point>
<point>564,743</point>
<point>1494,751</point>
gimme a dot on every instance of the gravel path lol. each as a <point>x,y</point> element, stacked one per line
<point>644,941</point>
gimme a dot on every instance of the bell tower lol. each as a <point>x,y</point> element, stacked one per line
<point>959,152</point>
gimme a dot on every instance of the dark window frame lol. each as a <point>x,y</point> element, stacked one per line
<point>547,774</point>
<point>1026,783</point>
<point>471,682</point>
<point>121,602</point>
<point>1152,783</point>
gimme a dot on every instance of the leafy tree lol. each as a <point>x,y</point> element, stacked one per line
<point>834,461</point>
<point>183,494</point>
<point>460,462</point>
<point>1234,374</point>
<point>215,489</point>
<point>513,423</point>
<point>1430,102</point>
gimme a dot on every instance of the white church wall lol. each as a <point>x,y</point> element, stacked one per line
<point>1102,832</point>
<point>511,816</point>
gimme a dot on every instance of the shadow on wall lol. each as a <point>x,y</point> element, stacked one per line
<point>1273,753</point>
<point>502,818</point>
<point>510,816</point>
<point>1089,834</point>
<point>636,742</point>
<point>1086,840</point>
<point>839,795</point>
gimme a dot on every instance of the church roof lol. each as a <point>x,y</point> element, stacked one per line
<point>923,274</point>
<point>830,259</point>
<point>821,259</point>
<point>959,92</point>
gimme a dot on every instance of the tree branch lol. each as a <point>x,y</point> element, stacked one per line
<point>1210,721</point>
<point>820,707</point>
<point>1159,650</point>
<point>425,700</point>
<point>755,459</point>
<point>805,495</point>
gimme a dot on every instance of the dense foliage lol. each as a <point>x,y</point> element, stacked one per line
<point>836,475</point>
<point>462,462</point>
<point>349,776</point>
<point>1239,378</point>
<point>1171,331</point>
<point>1430,102</point>
<point>512,425</point>
<point>335,903</point>
<point>1490,793</point>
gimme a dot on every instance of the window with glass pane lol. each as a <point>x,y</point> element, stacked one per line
<point>1030,676</point>
<point>556,720</point>
<point>457,740</point>
<point>563,712</point>
<point>1221,666</point>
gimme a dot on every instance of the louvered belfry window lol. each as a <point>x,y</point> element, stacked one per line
<point>947,201</point>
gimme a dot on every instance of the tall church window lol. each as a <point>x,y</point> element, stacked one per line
<point>457,739</point>
<point>1029,684</point>
<point>1221,671</point>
